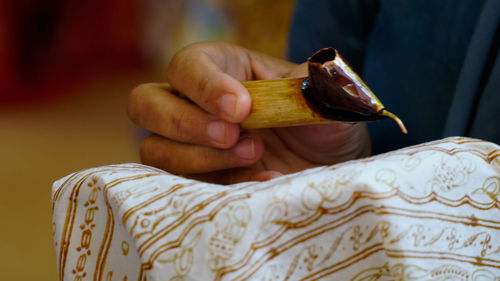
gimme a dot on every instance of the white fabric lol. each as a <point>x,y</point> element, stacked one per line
<point>428,212</point>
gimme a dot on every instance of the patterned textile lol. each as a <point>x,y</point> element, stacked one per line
<point>427,212</point>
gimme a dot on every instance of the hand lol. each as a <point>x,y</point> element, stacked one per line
<point>201,139</point>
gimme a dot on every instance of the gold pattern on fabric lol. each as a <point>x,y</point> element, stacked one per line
<point>427,212</point>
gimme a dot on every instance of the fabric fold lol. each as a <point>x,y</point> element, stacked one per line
<point>427,212</point>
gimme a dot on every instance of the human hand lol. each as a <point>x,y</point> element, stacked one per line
<point>201,139</point>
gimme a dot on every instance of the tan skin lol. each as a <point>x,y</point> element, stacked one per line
<point>202,139</point>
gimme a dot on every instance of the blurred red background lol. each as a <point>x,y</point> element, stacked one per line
<point>48,47</point>
<point>66,68</point>
<point>51,45</point>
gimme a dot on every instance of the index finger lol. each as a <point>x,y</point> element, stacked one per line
<point>200,73</point>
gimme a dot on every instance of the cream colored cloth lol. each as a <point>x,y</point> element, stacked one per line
<point>428,212</point>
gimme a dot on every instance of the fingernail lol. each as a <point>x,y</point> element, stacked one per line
<point>216,130</point>
<point>228,104</point>
<point>245,149</point>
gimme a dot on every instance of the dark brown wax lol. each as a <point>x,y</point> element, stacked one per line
<point>332,90</point>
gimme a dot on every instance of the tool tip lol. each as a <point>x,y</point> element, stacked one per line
<point>396,119</point>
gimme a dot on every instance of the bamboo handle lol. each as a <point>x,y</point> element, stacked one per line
<point>275,103</point>
<point>279,103</point>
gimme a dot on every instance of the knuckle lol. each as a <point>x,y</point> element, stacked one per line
<point>180,160</point>
<point>141,90</point>
<point>136,100</point>
<point>199,45</point>
<point>172,67</point>
<point>144,151</point>
<point>153,154</point>
<point>201,161</point>
<point>178,123</point>
<point>206,87</point>
<point>210,87</point>
<point>177,64</point>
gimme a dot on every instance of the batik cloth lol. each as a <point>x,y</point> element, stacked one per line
<point>427,212</point>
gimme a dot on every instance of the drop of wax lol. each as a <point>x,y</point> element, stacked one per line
<point>336,92</point>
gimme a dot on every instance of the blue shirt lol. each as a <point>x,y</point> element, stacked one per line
<point>418,57</point>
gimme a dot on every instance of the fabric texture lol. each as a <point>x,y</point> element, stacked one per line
<point>427,212</point>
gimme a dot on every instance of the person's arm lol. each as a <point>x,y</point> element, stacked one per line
<point>203,140</point>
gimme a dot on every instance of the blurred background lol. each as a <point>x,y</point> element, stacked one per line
<point>66,68</point>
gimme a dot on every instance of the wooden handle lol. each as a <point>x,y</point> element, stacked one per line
<point>275,103</point>
<point>279,103</point>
